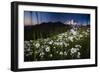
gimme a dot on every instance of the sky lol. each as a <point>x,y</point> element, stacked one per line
<point>33,17</point>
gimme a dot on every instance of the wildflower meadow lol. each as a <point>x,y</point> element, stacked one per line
<point>72,44</point>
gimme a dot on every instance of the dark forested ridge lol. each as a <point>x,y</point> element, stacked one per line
<point>44,30</point>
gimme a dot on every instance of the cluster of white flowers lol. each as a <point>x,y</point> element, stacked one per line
<point>42,53</point>
<point>71,38</point>
<point>27,49</point>
<point>65,53</point>
<point>73,32</point>
<point>74,50</point>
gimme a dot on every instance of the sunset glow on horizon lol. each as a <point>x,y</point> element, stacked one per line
<point>33,17</point>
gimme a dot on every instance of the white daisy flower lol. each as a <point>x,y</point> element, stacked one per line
<point>71,38</point>
<point>61,53</point>
<point>65,53</point>
<point>51,55</point>
<point>47,49</point>
<point>54,47</point>
<point>37,45</point>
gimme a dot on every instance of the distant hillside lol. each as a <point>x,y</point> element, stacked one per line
<point>44,30</point>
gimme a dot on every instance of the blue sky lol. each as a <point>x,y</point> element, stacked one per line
<point>30,17</point>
